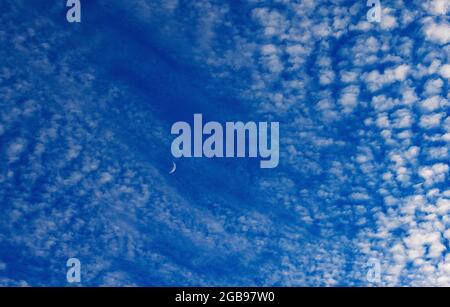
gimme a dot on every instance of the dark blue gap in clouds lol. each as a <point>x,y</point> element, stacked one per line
<point>20,265</point>
<point>134,54</point>
<point>204,183</point>
<point>172,90</point>
<point>159,78</point>
<point>167,84</point>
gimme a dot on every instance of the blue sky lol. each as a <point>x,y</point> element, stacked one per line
<point>85,118</point>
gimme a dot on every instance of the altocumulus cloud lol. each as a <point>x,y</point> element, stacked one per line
<point>364,143</point>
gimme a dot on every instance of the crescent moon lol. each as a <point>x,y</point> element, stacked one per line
<point>174,168</point>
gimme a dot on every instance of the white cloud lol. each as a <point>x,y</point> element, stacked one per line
<point>271,59</point>
<point>443,206</point>
<point>376,80</point>
<point>434,174</point>
<point>434,86</point>
<point>437,32</point>
<point>445,71</point>
<point>388,21</point>
<point>358,196</point>
<point>437,7</point>
<point>431,121</point>
<point>431,104</point>
<point>349,98</point>
<point>15,149</point>
<point>402,118</point>
<point>106,178</point>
